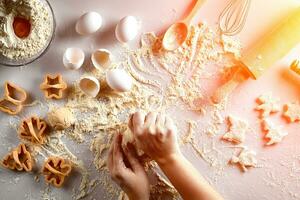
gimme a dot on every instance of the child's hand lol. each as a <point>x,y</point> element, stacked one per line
<point>132,179</point>
<point>156,135</point>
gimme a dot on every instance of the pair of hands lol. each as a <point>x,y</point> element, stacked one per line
<point>156,136</point>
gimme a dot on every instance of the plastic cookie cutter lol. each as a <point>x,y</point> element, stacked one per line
<point>14,93</point>
<point>55,170</point>
<point>10,107</point>
<point>33,129</point>
<point>295,66</point>
<point>19,159</point>
<point>271,48</point>
<point>14,97</point>
<point>177,33</point>
<point>53,86</point>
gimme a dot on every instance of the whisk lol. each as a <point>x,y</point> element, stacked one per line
<point>233,18</point>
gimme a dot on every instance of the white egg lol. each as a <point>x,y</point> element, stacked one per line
<point>73,58</point>
<point>101,58</point>
<point>119,80</point>
<point>89,85</point>
<point>88,23</point>
<point>127,29</point>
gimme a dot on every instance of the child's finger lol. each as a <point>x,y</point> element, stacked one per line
<point>138,120</point>
<point>131,155</point>
<point>110,158</point>
<point>117,154</point>
<point>130,123</point>
<point>160,120</point>
<point>150,119</point>
<point>161,134</point>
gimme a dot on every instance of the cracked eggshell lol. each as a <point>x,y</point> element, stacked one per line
<point>88,23</point>
<point>89,85</point>
<point>101,58</point>
<point>127,29</point>
<point>119,80</point>
<point>73,58</point>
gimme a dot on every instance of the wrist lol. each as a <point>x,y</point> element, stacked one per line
<point>170,160</point>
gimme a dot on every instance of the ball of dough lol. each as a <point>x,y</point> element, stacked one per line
<point>61,118</point>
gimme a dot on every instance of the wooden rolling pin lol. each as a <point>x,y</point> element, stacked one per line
<point>271,48</point>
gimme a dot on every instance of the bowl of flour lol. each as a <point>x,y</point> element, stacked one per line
<point>27,29</point>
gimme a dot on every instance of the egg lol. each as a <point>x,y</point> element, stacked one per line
<point>89,85</point>
<point>127,29</point>
<point>88,23</point>
<point>119,80</point>
<point>73,58</point>
<point>101,58</point>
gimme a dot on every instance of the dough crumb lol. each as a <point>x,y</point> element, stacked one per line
<point>61,118</point>
<point>246,159</point>
<point>267,105</point>
<point>292,112</point>
<point>274,134</point>
<point>237,130</point>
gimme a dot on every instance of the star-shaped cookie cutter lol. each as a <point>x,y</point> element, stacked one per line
<point>53,86</point>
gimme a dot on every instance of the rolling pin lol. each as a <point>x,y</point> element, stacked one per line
<point>271,48</point>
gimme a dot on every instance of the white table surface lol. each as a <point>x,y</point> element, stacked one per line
<point>156,15</point>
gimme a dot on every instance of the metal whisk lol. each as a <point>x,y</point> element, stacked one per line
<point>233,17</point>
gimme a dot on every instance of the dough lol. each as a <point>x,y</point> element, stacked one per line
<point>237,130</point>
<point>292,112</point>
<point>129,138</point>
<point>274,134</point>
<point>61,118</point>
<point>246,158</point>
<point>267,105</point>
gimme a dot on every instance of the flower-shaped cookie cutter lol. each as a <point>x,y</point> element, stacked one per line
<point>53,86</point>
<point>18,159</point>
<point>55,170</point>
<point>14,97</point>
<point>33,129</point>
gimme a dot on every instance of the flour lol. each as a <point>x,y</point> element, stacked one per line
<point>41,22</point>
<point>97,120</point>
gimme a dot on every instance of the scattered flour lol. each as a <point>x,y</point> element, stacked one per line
<point>97,120</point>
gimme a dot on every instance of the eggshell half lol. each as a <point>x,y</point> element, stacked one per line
<point>73,58</point>
<point>89,85</point>
<point>101,58</point>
